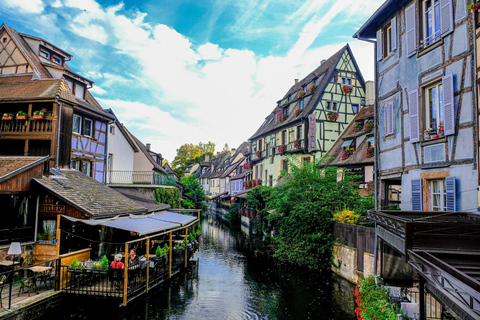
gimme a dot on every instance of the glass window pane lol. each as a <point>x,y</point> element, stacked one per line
<point>77,124</point>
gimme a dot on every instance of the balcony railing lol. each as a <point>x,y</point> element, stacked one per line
<point>296,146</point>
<point>29,125</point>
<point>139,177</point>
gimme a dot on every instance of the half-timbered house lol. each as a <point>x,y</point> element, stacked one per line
<point>309,118</point>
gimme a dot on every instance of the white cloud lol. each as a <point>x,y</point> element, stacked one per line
<point>98,90</point>
<point>209,51</point>
<point>25,6</point>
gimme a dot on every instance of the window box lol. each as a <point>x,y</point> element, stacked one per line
<point>346,89</point>
<point>281,149</point>
<point>7,116</point>
<point>38,116</point>
<point>21,117</point>
<point>332,116</point>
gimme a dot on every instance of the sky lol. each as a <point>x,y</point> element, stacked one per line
<point>185,71</point>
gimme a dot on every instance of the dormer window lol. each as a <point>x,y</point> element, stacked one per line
<point>57,60</point>
<point>348,149</point>
<point>45,54</point>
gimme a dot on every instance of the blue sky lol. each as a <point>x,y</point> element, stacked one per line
<point>178,71</point>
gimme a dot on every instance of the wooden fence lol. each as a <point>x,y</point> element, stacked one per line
<point>361,238</point>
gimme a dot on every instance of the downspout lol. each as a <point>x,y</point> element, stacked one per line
<point>375,163</point>
<point>474,89</point>
<point>58,132</point>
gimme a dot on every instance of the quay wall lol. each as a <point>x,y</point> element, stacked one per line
<point>34,307</point>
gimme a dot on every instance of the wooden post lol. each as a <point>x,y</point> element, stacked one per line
<point>170,258</point>
<point>421,298</point>
<point>57,254</point>
<point>186,249</point>
<point>198,214</point>
<point>125,277</point>
<point>148,263</point>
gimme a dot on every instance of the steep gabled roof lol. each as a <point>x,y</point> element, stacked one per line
<point>12,166</point>
<point>324,73</point>
<point>359,156</point>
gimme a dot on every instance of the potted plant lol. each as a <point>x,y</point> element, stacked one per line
<point>346,153</point>
<point>285,117</point>
<point>297,112</point>
<point>368,126</point>
<point>426,134</point>
<point>301,94</point>
<point>370,152</point>
<point>358,128</point>
<point>441,132</point>
<point>21,115</point>
<point>7,116</point>
<point>281,149</point>
<point>258,153</point>
<point>76,267</point>
<point>38,114</point>
<point>199,230</point>
<point>312,87</point>
<point>45,238</point>
<point>332,116</point>
<point>347,89</point>
<point>296,144</point>
<point>100,267</point>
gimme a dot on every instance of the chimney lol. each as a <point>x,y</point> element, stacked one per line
<point>369,93</point>
<point>323,61</point>
<point>207,157</point>
<point>296,81</point>
<point>148,146</point>
<point>218,153</point>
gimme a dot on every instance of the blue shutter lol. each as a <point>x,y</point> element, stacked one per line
<point>448,105</point>
<point>410,30</point>
<point>413,114</point>
<point>417,204</point>
<point>450,190</point>
<point>379,45</point>
<point>446,17</point>
<point>393,35</point>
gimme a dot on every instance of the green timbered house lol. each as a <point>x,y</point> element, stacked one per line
<point>310,117</point>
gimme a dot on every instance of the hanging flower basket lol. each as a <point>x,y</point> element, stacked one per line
<point>281,149</point>
<point>370,152</point>
<point>347,89</point>
<point>332,116</point>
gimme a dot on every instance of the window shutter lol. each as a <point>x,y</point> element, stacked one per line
<point>385,120</point>
<point>446,17</point>
<point>417,204</point>
<point>448,105</point>
<point>410,29</point>
<point>450,190</point>
<point>379,45</point>
<point>413,114</point>
<point>393,35</point>
<point>388,116</point>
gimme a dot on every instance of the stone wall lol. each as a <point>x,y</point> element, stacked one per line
<point>345,262</point>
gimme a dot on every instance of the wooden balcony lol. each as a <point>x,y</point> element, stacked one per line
<point>15,128</point>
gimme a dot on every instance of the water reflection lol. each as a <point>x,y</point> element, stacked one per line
<point>234,281</point>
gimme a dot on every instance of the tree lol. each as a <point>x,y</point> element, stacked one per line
<point>303,206</point>
<point>207,148</point>
<point>193,191</point>
<point>186,152</point>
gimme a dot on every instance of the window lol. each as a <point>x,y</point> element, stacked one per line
<point>285,111</point>
<point>329,105</point>
<point>316,81</point>
<point>349,81</point>
<point>389,118</point>
<point>438,195</point>
<point>334,106</point>
<point>270,181</point>
<point>355,108</point>
<point>299,132</point>
<point>70,83</point>
<point>79,90</point>
<point>284,165</point>
<point>77,124</point>
<point>430,21</point>
<point>301,104</point>
<point>88,129</point>
<point>333,79</point>
<point>75,164</point>
<point>387,39</point>
<point>434,115</point>
<point>57,60</point>
<point>45,54</point>
<point>4,40</point>
<point>284,137</point>
<point>87,168</point>
<point>112,130</point>
<point>267,150</point>
<point>344,81</point>
<point>259,145</point>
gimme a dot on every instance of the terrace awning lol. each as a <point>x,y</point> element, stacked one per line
<point>142,224</point>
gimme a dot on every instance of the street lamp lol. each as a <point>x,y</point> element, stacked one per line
<point>15,249</point>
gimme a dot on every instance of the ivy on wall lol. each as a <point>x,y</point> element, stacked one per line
<point>169,196</point>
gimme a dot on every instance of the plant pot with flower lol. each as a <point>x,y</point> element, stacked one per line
<point>347,89</point>
<point>441,132</point>
<point>332,116</point>
<point>21,115</point>
<point>38,115</point>
<point>7,116</point>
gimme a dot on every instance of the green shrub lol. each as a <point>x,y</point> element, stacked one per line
<point>169,196</point>
<point>158,252</point>
<point>105,264</point>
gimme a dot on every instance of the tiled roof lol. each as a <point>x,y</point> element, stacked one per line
<point>324,73</point>
<point>24,88</point>
<point>88,195</point>
<point>11,166</point>
<point>359,156</point>
<point>148,203</point>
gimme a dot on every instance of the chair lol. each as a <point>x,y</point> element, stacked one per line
<point>116,278</point>
<point>28,282</point>
<point>47,277</point>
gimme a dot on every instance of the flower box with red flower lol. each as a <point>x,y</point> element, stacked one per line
<point>301,94</point>
<point>281,149</point>
<point>296,144</point>
<point>368,126</point>
<point>297,112</point>
<point>370,152</point>
<point>312,87</point>
<point>346,153</point>
<point>258,153</point>
<point>347,89</point>
<point>332,116</point>
<point>441,132</point>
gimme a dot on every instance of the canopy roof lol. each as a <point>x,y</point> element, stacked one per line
<point>142,224</point>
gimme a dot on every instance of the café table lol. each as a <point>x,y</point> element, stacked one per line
<point>40,272</point>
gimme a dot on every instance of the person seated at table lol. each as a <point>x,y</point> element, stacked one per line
<point>132,259</point>
<point>117,262</point>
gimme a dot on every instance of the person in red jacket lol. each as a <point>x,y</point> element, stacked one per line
<point>117,262</point>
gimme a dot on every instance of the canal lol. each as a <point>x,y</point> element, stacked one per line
<point>232,281</point>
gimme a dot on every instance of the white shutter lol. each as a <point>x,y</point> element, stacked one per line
<point>446,17</point>
<point>379,45</point>
<point>450,190</point>
<point>417,203</point>
<point>413,114</point>
<point>385,120</point>
<point>410,30</point>
<point>448,105</point>
<point>393,33</point>
<point>388,118</point>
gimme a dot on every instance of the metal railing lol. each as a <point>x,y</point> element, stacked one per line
<point>139,177</point>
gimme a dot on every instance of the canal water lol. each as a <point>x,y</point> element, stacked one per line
<point>232,281</point>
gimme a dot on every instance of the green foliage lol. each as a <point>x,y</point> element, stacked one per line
<point>233,215</point>
<point>169,196</point>
<point>158,252</point>
<point>166,248</point>
<point>185,242</point>
<point>373,301</point>
<point>76,265</point>
<point>189,153</point>
<point>303,206</point>
<point>104,265</point>
<point>258,199</point>
<point>199,229</point>
<point>193,191</point>
<point>194,234</point>
<point>366,203</point>
<point>187,204</point>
